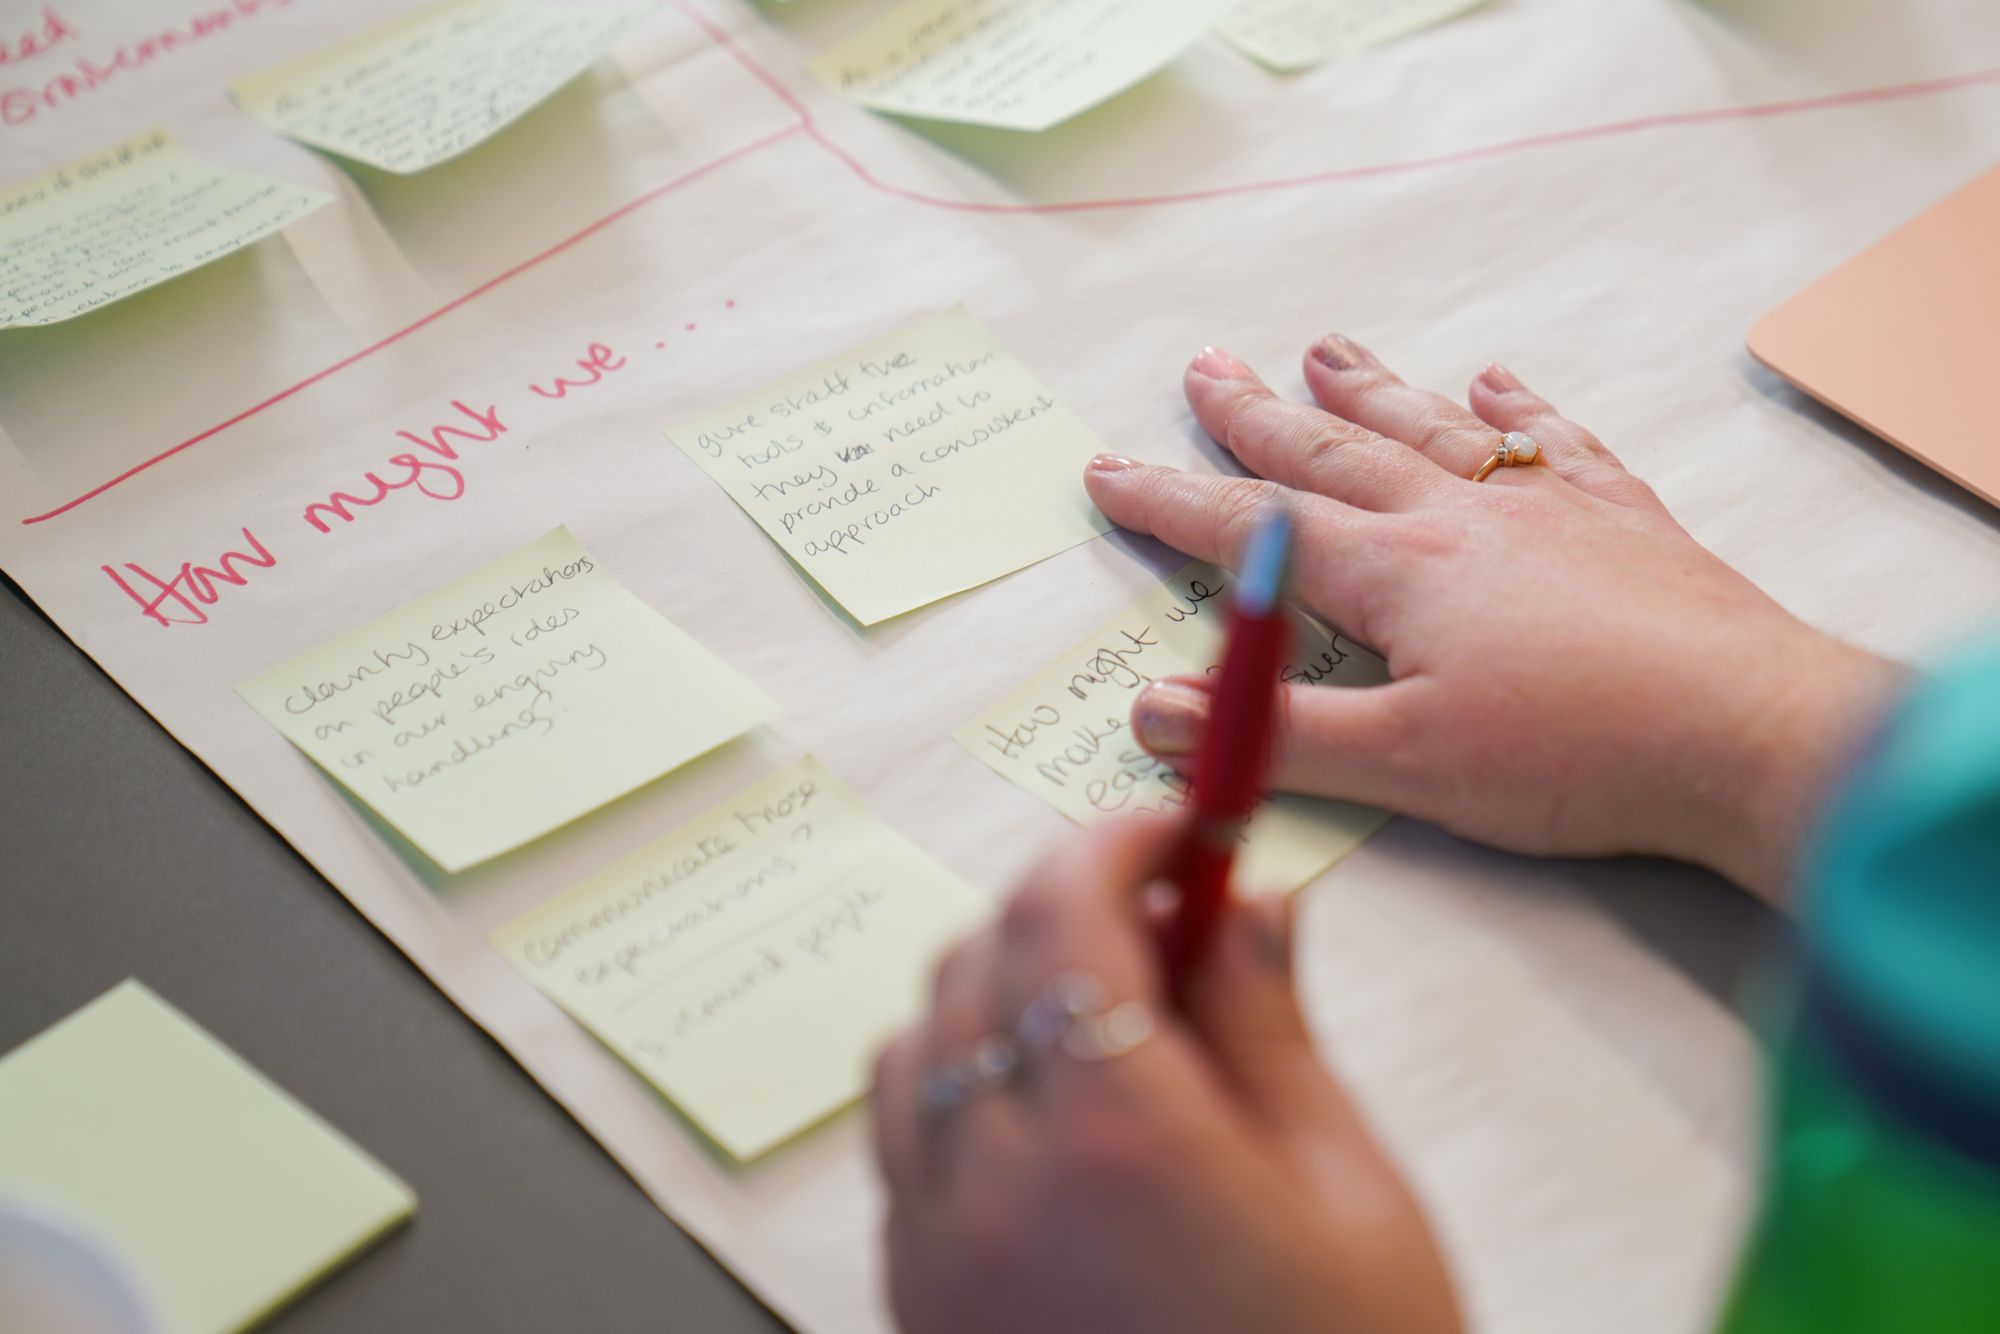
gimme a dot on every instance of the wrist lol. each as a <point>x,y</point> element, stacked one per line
<point>1798,736</point>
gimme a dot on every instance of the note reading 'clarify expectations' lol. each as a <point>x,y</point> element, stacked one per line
<point>914,468</point>
<point>1066,736</point>
<point>1296,34</point>
<point>120,221</point>
<point>1014,64</point>
<point>227,1197</point>
<point>749,963</point>
<point>507,704</point>
<point>423,89</point>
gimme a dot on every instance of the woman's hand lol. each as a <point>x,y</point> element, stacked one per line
<point>1573,674</point>
<point>1211,1178</point>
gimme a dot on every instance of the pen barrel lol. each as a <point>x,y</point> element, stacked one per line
<point>1228,780</point>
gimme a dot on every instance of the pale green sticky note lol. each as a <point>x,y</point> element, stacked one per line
<point>427,87</point>
<point>750,962</point>
<point>507,703</point>
<point>1014,64</point>
<point>1296,34</point>
<point>226,1196</point>
<point>117,222</point>
<point>1066,735</point>
<point>919,466</point>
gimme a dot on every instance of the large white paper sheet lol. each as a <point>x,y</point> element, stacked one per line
<point>1572,1110</point>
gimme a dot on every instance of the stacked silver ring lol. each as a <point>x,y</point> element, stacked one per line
<point>1073,1013</point>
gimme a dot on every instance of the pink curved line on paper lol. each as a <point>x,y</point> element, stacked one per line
<point>807,125</point>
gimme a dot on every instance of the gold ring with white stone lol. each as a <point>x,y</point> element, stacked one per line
<point>1515,450</point>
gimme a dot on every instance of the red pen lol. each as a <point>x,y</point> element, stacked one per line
<point>1236,748</point>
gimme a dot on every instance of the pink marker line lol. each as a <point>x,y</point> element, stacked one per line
<point>809,126</point>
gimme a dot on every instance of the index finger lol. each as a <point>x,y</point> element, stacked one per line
<point>1084,908</point>
<point>1210,517</point>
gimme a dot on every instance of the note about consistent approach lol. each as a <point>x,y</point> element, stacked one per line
<point>919,466</point>
<point>507,703</point>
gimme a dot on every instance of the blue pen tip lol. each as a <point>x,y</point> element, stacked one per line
<point>1265,558</point>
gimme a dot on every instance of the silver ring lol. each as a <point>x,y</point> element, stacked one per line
<point>992,1063</point>
<point>1074,1012</point>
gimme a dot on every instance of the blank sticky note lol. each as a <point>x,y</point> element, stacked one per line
<point>1296,34</point>
<point>117,222</point>
<point>749,963</point>
<point>225,1195</point>
<point>427,87</point>
<point>1066,736</point>
<point>507,703</point>
<point>927,463</point>
<point>1013,64</point>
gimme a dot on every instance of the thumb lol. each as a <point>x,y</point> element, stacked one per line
<point>1348,742</point>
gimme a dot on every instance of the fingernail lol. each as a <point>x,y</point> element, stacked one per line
<point>1219,365</point>
<point>1106,464</point>
<point>1337,352</point>
<point>1499,379</point>
<point>1168,718</point>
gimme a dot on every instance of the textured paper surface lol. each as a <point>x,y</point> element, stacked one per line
<point>506,703</point>
<point>921,465</point>
<point>751,962</point>
<point>1014,64</point>
<point>1576,1114</point>
<point>424,89</point>
<point>1066,735</point>
<point>1296,34</point>
<point>119,221</point>
<point>226,1196</point>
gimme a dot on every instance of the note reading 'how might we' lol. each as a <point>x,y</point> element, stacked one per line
<point>1066,736</point>
<point>1013,64</point>
<point>914,468</point>
<point>423,89</point>
<point>117,222</point>
<point>507,704</point>
<point>749,963</point>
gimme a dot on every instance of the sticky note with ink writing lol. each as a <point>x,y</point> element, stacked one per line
<point>225,1196</point>
<point>507,703</point>
<point>1012,64</point>
<point>423,89</point>
<point>749,963</point>
<point>99,229</point>
<point>927,463</point>
<point>1066,736</point>
<point>1296,34</point>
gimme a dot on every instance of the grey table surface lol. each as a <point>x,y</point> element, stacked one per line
<point>122,856</point>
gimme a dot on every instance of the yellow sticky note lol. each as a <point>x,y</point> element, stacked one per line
<point>1014,64</point>
<point>1295,34</point>
<point>117,222</point>
<point>750,963</point>
<point>507,703</point>
<point>427,87</point>
<point>1066,736</point>
<point>919,466</point>
<point>225,1196</point>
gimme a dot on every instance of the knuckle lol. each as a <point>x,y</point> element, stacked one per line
<point>1246,423</point>
<point>952,968</point>
<point>992,1241</point>
<point>1030,915</point>
<point>1238,503</point>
